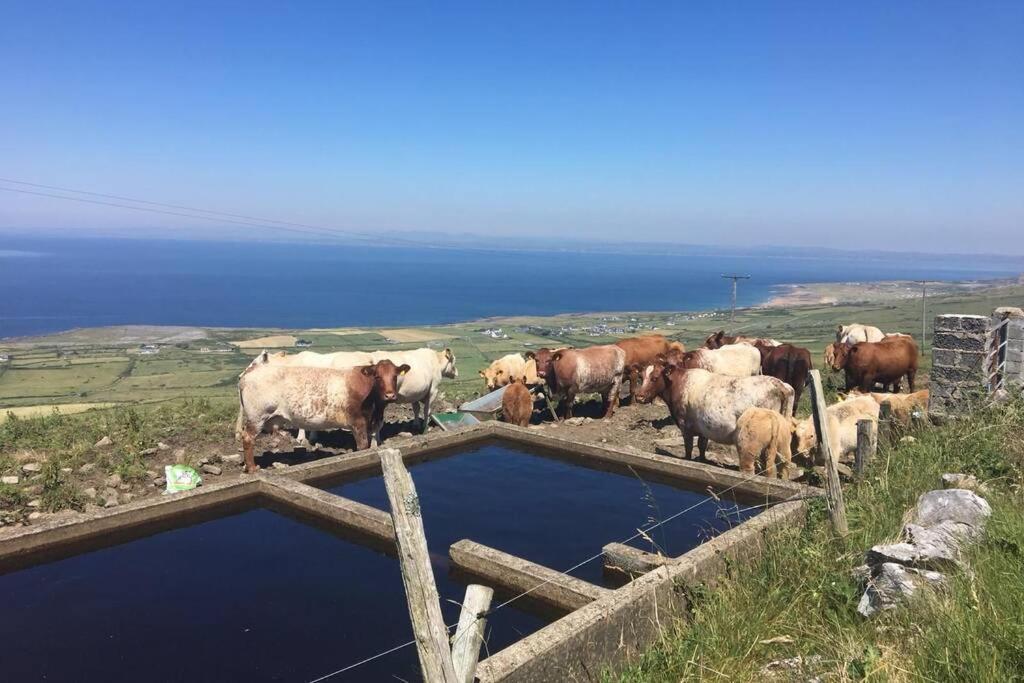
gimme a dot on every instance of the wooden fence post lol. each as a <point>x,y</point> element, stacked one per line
<point>470,632</point>
<point>885,422</point>
<point>420,590</point>
<point>833,487</point>
<point>867,443</point>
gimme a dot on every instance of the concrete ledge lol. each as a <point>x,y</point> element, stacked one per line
<point>696,475</point>
<point>603,636</point>
<point>551,587</point>
<point>65,536</point>
<point>360,518</point>
<point>368,461</point>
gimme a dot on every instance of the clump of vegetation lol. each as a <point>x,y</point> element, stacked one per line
<point>59,491</point>
<point>800,598</point>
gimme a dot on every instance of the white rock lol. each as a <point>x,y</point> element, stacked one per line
<point>10,479</point>
<point>233,459</point>
<point>33,516</point>
<point>32,468</point>
<point>957,505</point>
<point>89,492</point>
<point>279,465</point>
<point>212,469</point>
<point>113,480</point>
<point>957,480</point>
<point>87,468</point>
<point>161,446</point>
<point>908,439</point>
<point>66,470</point>
<point>105,442</point>
<point>35,503</point>
<point>893,585</point>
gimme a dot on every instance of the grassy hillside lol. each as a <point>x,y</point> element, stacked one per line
<point>800,599</point>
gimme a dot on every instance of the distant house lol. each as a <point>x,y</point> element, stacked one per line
<point>303,343</point>
<point>149,349</point>
<point>5,358</point>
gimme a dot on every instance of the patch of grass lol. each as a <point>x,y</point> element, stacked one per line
<point>802,588</point>
<point>59,492</point>
<point>11,497</point>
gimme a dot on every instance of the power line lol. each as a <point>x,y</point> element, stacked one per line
<point>215,216</point>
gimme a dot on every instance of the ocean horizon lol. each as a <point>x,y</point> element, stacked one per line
<point>54,284</point>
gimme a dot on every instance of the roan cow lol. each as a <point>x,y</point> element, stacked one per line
<point>734,360</point>
<point>595,369</point>
<point>272,396</point>
<point>707,405</point>
<point>720,339</point>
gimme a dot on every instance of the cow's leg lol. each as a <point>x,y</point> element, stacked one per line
<point>248,448</point>
<point>798,391</point>
<point>415,412</point>
<point>768,459</point>
<point>746,458</point>
<point>427,404</point>
<point>612,399</point>
<point>702,444</point>
<point>785,454</point>
<point>301,436</point>
<point>570,398</point>
<point>360,430</point>
<point>688,442</point>
<point>911,374</point>
<point>867,383</point>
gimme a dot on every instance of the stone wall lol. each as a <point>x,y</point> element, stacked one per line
<point>959,347</point>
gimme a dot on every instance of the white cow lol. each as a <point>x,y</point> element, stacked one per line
<point>856,333</point>
<point>842,426</point>
<point>508,368</point>
<point>733,360</point>
<point>422,383</point>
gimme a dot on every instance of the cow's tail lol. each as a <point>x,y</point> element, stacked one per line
<point>240,422</point>
<point>787,400</point>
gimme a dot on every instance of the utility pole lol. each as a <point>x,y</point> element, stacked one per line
<point>924,311</point>
<point>734,278</point>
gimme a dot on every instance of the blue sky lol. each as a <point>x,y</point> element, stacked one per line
<point>892,124</point>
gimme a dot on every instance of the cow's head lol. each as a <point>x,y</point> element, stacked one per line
<point>494,377</point>
<point>545,359</point>
<point>840,354</point>
<point>655,378</point>
<point>385,376</point>
<point>715,341</point>
<point>448,368</point>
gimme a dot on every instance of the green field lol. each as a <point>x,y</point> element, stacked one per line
<point>99,365</point>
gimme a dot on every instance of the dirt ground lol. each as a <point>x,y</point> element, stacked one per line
<point>219,458</point>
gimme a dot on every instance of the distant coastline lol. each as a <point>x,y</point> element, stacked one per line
<point>782,296</point>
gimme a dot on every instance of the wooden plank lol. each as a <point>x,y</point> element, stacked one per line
<point>554,588</point>
<point>866,444</point>
<point>625,559</point>
<point>417,575</point>
<point>470,631</point>
<point>833,488</point>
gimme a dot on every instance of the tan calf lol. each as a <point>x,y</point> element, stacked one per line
<point>762,436</point>
<point>517,403</point>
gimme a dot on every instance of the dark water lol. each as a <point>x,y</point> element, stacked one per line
<point>546,510</point>
<point>260,596</point>
<point>70,283</point>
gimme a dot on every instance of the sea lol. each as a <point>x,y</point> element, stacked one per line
<point>50,284</point>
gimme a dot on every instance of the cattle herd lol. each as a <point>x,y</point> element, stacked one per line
<point>738,391</point>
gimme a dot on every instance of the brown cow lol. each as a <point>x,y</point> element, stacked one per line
<point>517,403</point>
<point>788,363</point>
<point>596,369</point>
<point>761,436</point>
<point>641,352</point>
<point>885,362</point>
<point>274,396</point>
<point>720,339</point>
